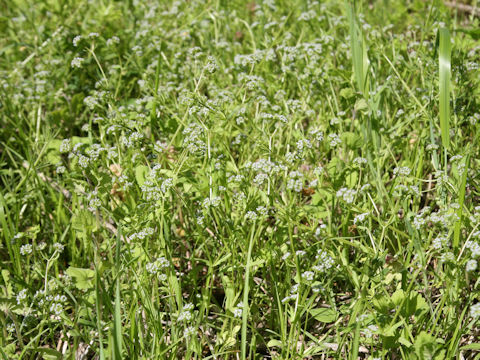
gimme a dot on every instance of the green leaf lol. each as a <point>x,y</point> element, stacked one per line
<point>361,105</point>
<point>117,323</point>
<point>390,331</point>
<point>141,173</point>
<point>358,48</point>
<point>347,93</point>
<point>474,346</point>
<point>397,297</point>
<point>353,141</point>
<point>425,346</point>
<point>382,303</point>
<point>473,33</point>
<point>325,315</point>
<point>275,343</point>
<point>83,277</point>
<point>84,222</point>
<point>444,84</point>
<point>52,153</point>
<point>404,342</point>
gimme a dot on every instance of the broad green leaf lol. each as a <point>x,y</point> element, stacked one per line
<point>425,346</point>
<point>275,343</point>
<point>84,222</point>
<point>141,172</point>
<point>83,278</point>
<point>325,315</point>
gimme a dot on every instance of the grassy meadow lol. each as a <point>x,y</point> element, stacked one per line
<point>229,179</point>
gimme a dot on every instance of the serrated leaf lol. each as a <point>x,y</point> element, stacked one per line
<point>425,346</point>
<point>83,278</point>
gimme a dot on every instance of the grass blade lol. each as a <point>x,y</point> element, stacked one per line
<point>444,77</point>
<point>117,325</point>
<point>245,297</point>
<point>359,52</point>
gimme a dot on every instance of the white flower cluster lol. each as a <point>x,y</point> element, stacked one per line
<point>348,195</point>
<point>193,139</point>
<point>440,242</point>
<point>26,249</point>
<point>186,313</point>
<point>156,266</point>
<point>324,260</point>
<point>295,181</point>
<point>402,171</point>
<point>22,295</point>
<point>238,310</point>
<point>360,218</point>
<point>293,294</point>
<point>141,234</point>
<point>214,201</point>
<point>475,311</point>
<point>265,166</point>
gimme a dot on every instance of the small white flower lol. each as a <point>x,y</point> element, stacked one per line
<point>402,171</point>
<point>58,247</point>
<point>308,275</point>
<point>61,169</point>
<point>65,146</point>
<point>76,40</point>
<point>471,265</point>
<point>251,216</point>
<point>189,331</point>
<point>22,295</point>
<point>77,62</point>
<point>360,218</point>
<point>475,311</point>
<point>26,249</point>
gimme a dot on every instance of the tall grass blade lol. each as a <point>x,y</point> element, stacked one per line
<point>245,297</point>
<point>117,324</point>
<point>444,77</point>
<point>359,52</point>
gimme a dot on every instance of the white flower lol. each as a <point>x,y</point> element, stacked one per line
<point>359,161</point>
<point>360,218</point>
<point>65,146</point>
<point>26,249</point>
<point>402,171</point>
<point>471,265</point>
<point>61,169</point>
<point>251,215</point>
<point>308,275</point>
<point>76,40</point>
<point>189,331</point>
<point>77,62</point>
<point>58,247</point>
<point>22,295</point>
<point>475,311</point>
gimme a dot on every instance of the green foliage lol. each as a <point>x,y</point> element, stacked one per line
<point>231,179</point>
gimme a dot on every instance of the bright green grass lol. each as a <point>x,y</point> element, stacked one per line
<point>239,180</point>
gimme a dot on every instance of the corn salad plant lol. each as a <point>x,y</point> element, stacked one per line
<point>218,179</point>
